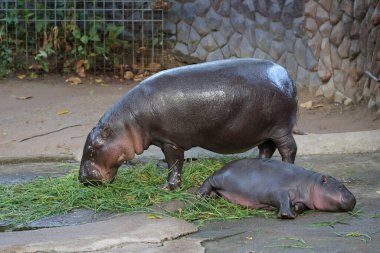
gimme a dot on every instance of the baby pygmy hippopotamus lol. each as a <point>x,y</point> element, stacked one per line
<point>268,183</point>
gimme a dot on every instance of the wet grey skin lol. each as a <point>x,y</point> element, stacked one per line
<point>226,106</point>
<point>268,183</point>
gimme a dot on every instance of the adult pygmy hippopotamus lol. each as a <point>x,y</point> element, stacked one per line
<point>265,183</point>
<point>225,106</point>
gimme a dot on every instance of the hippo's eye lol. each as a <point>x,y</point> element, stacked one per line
<point>324,179</point>
<point>98,143</point>
<point>105,132</point>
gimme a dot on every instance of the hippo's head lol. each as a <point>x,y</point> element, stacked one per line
<point>106,148</point>
<point>330,194</point>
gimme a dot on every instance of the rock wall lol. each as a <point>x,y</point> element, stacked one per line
<point>326,45</point>
<point>343,36</point>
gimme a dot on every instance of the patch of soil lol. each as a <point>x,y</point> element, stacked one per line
<point>330,117</point>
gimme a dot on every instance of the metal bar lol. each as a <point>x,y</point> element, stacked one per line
<point>104,37</point>
<point>372,76</point>
<point>35,26</point>
<point>129,16</point>
<point>152,36</point>
<point>55,25</point>
<point>94,27</point>
<point>162,37</point>
<point>133,37</point>
<point>16,33</point>
<point>26,37</point>
<point>64,21</point>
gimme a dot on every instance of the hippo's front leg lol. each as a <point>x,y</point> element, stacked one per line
<point>281,199</point>
<point>207,190</point>
<point>299,208</point>
<point>174,157</point>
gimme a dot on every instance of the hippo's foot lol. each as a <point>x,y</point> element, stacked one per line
<point>284,204</point>
<point>286,214</point>
<point>299,208</point>
<point>202,195</point>
<point>170,186</point>
<point>206,190</point>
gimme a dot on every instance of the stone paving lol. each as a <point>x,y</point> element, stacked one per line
<point>341,232</point>
<point>354,233</point>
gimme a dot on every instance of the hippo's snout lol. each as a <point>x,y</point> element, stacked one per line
<point>348,202</point>
<point>90,175</point>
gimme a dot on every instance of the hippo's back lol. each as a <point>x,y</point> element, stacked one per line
<point>265,175</point>
<point>233,74</point>
<point>224,106</point>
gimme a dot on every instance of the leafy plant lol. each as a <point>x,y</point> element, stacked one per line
<point>6,60</point>
<point>80,35</point>
<point>43,56</point>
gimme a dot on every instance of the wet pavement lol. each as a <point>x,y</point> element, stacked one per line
<point>25,172</point>
<point>310,232</point>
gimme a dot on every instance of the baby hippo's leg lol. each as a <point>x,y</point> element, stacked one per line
<point>299,208</point>
<point>207,190</point>
<point>281,199</point>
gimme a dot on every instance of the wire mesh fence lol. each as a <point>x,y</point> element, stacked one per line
<point>88,35</point>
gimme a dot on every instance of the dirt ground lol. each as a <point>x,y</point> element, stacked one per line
<point>329,117</point>
<point>51,95</point>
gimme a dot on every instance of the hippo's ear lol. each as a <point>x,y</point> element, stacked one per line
<point>105,132</point>
<point>324,178</point>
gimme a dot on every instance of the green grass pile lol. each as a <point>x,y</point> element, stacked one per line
<point>134,189</point>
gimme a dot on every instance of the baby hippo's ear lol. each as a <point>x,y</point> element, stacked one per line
<point>105,132</point>
<point>324,178</point>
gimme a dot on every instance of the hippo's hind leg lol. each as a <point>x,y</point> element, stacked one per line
<point>174,157</point>
<point>287,147</point>
<point>282,200</point>
<point>266,149</point>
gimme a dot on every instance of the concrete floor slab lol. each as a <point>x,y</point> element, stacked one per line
<point>104,235</point>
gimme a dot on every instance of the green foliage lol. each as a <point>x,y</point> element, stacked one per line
<point>5,58</point>
<point>293,243</point>
<point>340,219</point>
<point>43,55</point>
<point>33,33</point>
<point>134,189</point>
<point>357,235</point>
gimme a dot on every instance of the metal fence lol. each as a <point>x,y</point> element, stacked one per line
<point>102,36</point>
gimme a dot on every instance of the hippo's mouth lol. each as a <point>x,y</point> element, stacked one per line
<point>91,174</point>
<point>348,204</point>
